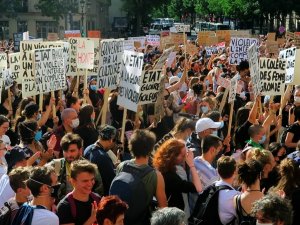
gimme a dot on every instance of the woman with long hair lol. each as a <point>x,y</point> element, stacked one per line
<point>170,154</point>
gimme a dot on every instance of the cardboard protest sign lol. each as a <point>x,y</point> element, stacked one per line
<point>85,54</point>
<point>297,39</point>
<point>49,70</point>
<point>241,33</point>
<point>272,46</point>
<point>15,67</point>
<point>27,71</point>
<point>3,60</point>
<point>239,48</point>
<point>153,40</point>
<point>142,40</point>
<point>165,41</point>
<point>280,41</point>
<point>289,35</point>
<point>163,58</point>
<point>129,45</point>
<point>212,40</point>
<point>223,36</point>
<point>171,59</point>
<point>149,86</point>
<point>177,39</point>
<point>271,36</point>
<point>272,76</point>
<point>7,79</point>
<point>191,49</point>
<point>232,90</point>
<point>203,37</point>
<point>254,69</point>
<point>181,28</point>
<point>111,51</point>
<point>292,58</point>
<point>129,88</point>
<point>158,109</point>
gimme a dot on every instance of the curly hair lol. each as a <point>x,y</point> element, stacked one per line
<point>249,172</point>
<point>165,156</point>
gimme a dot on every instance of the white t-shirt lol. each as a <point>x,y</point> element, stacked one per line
<point>6,140</point>
<point>6,192</point>
<point>44,217</point>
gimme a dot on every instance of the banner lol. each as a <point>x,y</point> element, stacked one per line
<point>85,54</point>
<point>163,58</point>
<point>111,51</point>
<point>239,48</point>
<point>254,69</point>
<point>129,88</point>
<point>272,76</point>
<point>150,86</point>
<point>49,70</point>
<point>3,60</point>
<point>15,67</point>
<point>153,40</point>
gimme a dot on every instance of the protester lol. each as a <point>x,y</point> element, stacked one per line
<point>168,216</point>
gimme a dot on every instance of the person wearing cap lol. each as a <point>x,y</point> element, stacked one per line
<point>98,153</point>
<point>204,127</point>
<point>14,158</point>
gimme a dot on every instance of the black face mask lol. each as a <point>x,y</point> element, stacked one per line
<point>54,190</point>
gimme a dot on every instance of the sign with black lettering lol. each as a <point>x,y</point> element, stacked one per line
<point>7,79</point>
<point>254,68</point>
<point>153,40</point>
<point>233,88</point>
<point>85,54</point>
<point>181,28</point>
<point>290,56</point>
<point>129,88</point>
<point>163,58</point>
<point>239,48</point>
<point>49,70</point>
<point>272,76</point>
<point>111,52</point>
<point>150,86</point>
<point>3,60</point>
<point>14,65</point>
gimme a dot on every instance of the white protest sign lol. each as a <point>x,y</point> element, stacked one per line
<point>272,76</point>
<point>26,36</point>
<point>27,71</point>
<point>111,51</point>
<point>232,90</point>
<point>254,69</point>
<point>15,67</point>
<point>49,70</point>
<point>182,28</point>
<point>129,88</point>
<point>85,54</point>
<point>171,59</point>
<point>153,40</point>
<point>3,60</point>
<point>142,40</point>
<point>72,65</point>
<point>163,58</point>
<point>94,71</point>
<point>239,48</point>
<point>290,56</point>
<point>7,79</point>
<point>129,45</point>
<point>150,86</point>
<point>211,50</point>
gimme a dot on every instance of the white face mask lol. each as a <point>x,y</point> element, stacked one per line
<point>258,223</point>
<point>75,123</point>
<point>296,99</point>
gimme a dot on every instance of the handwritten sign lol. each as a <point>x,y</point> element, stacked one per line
<point>232,90</point>
<point>142,40</point>
<point>182,28</point>
<point>163,58</point>
<point>153,40</point>
<point>85,54</point>
<point>129,88</point>
<point>49,70</point>
<point>203,37</point>
<point>94,71</point>
<point>3,60</point>
<point>254,69</point>
<point>111,52</point>
<point>150,86</point>
<point>7,78</point>
<point>290,56</point>
<point>129,45</point>
<point>272,76</point>
<point>15,67</point>
<point>239,48</point>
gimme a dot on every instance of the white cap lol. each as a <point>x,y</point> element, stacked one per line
<point>173,79</point>
<point>206,123</point>
<point>223,57</point>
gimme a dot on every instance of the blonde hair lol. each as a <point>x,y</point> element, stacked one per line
<point>262,156</point>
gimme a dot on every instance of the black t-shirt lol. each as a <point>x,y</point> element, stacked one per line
<point>294,129</point>
<point>241,135</point>
<point>83,211</point>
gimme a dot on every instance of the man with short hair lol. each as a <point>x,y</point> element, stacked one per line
<point>43,186</point>
<point>79,207</point>
<point>168,216</point>
<point>257,136</point>
<point>71,145</point>
<point>111,210</point>
<point>98,153</point>
<point>272,209</point>
<point>204,127</point>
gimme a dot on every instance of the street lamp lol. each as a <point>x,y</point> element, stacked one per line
<point>84,3</point>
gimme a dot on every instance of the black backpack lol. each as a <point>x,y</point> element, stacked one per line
<point>129,186</point>
<point>5,214</point>
<point>25,214</point>
<point>243,220</point>
<point>206,208</point>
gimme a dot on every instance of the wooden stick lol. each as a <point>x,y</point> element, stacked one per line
<point>230,119</point>
<point>53,106</point>
<point>105,106</point>
<point>99,116</point>
<point>123,125</point>
<point>223,100</point>
<point>41,99</point>
<point>85,86</point>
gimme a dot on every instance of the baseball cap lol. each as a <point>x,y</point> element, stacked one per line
<point>223,57</point>
<point>173,79</point>
<point>14,156</point>
<point>206,123</point>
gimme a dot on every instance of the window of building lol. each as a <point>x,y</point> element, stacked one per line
<point>22,26</point>
<point>4,30</point>
<point>45,27</point>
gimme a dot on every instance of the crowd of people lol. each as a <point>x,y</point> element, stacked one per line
<point>66,168</point>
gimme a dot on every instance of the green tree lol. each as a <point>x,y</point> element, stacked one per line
<point>10,8</point>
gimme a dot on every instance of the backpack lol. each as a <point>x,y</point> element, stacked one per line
<point>243,220</point>
<point>129,186</point>
<point>71,200</point>
<point>25,214</point>
<point>5,214</point>
<point>206,208</point>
